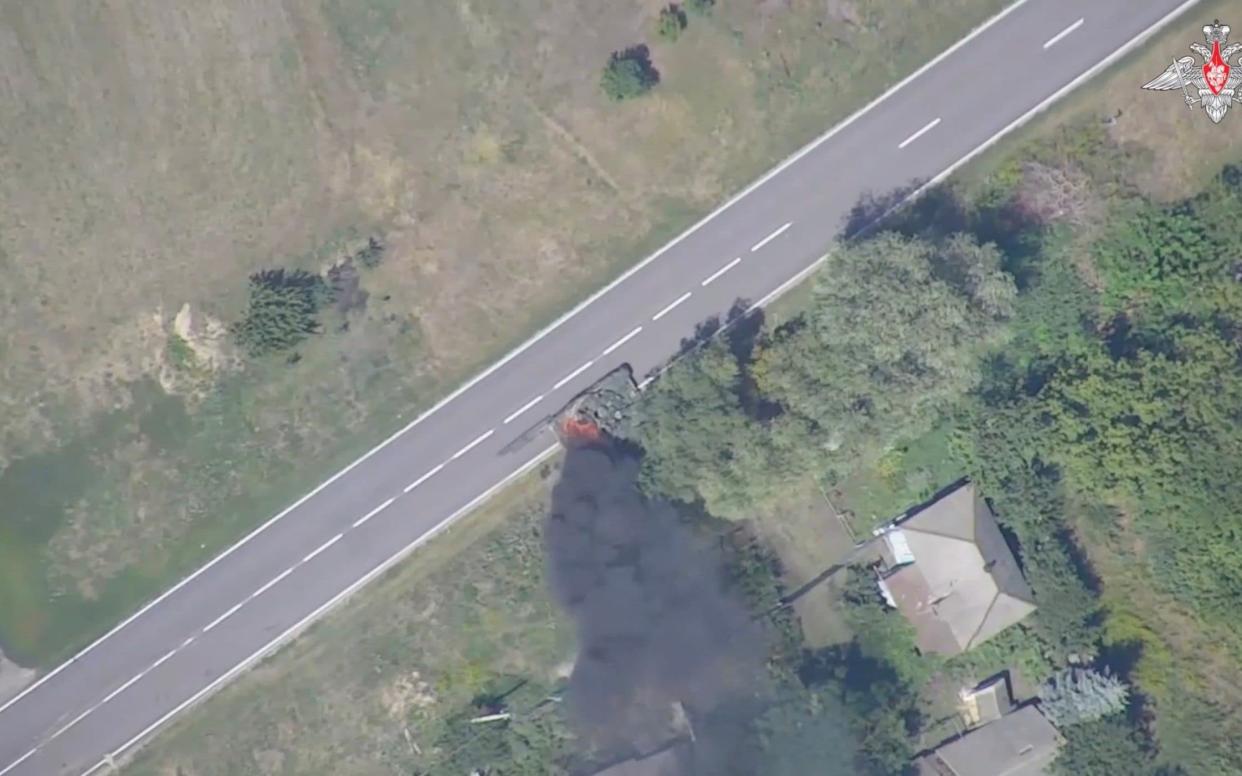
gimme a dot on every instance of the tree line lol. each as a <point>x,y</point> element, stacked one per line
<point>1083,342</point>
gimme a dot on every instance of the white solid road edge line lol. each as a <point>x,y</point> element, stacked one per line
<point>522,409</point>
<point>318,612</point>
<point>809,147</point>
<point>707,280</point>
<point>21,760</point>
<point>572,375</point>
<point>928,127</point>
<point>670,306</point>
<point>434,471</point>
<point>322,547</point>
<point>777,233</point>
<point>608,350</point>
<point>1055,39</point>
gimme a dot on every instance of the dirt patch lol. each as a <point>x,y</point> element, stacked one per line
<point>404,693</point>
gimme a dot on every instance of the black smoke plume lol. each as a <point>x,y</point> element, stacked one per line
<point>670,660</point>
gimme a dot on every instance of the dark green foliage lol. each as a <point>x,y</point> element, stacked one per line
<point>882,706</point>
<point>1113,411</point>
<point>701,7</point>
<point>283,310</point>
<point>700,443</point>
<point>1017,648</point>
<point>882,634</point>
<point>179,353</point>
<point>671,22</point>
<point>808,732</point>
<point>1160,259</point>
<point>370,256</point>
<point>1105,747</point>
<point>629,74</point>
<point>892,338</point>
<point>534,741</point>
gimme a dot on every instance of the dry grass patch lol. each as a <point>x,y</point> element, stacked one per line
<point>156,153</point>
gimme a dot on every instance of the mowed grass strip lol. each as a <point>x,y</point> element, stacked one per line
<point>368,689</point>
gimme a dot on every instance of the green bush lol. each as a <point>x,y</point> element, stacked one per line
<point>701,7</point>
<point>283,310</point>
<point>371,256</point>
<point>672,22</point>
<point>629,74</point>
<point>1077,695</point>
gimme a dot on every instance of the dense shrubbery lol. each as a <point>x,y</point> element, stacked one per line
<point>1114,406</point>
<point>533,741</point>
<point>629,74</point>
<point>671,22</point>
<point>283,310</point>
<point>732,428</point>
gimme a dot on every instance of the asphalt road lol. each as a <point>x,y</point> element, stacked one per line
<point>112,696</point>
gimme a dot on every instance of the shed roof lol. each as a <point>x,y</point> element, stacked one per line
<point>1022,743</point>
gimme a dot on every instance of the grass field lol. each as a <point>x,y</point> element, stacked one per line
<point>365,691</point>
<point>339,734</point>
<point>156,153</point>
<point>808,537</point>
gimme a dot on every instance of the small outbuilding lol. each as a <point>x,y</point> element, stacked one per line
<point>1021,743</point>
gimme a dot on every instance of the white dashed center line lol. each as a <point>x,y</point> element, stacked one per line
<point>524,408</point>
<point>165,658</point>
<point>1055,39</point>
<point>414,484</point>
<point>377,510</point>
<point>721,271</point>
<point>572,374</point>
<point>322,547</point>
<point>770,237</point>
<point>268,586</point>
<point>930,125</point>
<point>472,445</point>
<point>232,610</point>
<point>669,309</point>
<point>608,350</point>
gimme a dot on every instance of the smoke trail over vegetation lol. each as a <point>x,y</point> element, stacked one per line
<point>666,650</point>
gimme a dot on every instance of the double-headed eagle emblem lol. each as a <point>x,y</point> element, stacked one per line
<point>1214,82</point>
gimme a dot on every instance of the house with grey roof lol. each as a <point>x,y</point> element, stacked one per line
<point>1020,743</point>
<point>947,569</point>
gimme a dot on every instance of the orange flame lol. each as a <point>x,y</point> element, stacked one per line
<point>581,431</point>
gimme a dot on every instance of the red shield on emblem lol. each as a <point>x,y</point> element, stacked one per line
<point>1216,71</point>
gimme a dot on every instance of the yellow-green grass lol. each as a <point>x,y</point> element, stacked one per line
<point>157,152</point>
<point>362,692</point>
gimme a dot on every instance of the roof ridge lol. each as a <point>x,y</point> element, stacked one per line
<point>983,620</point>
<point>941,534</point>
